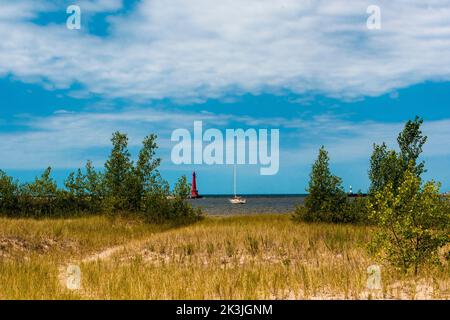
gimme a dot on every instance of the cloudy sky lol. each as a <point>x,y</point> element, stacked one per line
<point>310,68</point>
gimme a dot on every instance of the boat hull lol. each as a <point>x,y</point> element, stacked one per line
<point>238,201</point>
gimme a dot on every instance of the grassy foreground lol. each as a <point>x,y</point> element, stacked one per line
<point>239,257</point>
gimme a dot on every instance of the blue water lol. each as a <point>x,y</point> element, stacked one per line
<point>219,205</point>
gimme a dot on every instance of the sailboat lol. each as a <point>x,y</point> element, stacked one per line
<point>236,199</point>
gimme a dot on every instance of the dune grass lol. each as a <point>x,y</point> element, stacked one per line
<point>33,251</point>
<point>239,257</point>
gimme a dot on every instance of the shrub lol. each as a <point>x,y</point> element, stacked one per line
<point>354,211</point>
<point>157,207</point>
<point>40,198</point>
<point>325,191</point>
<point>414,222</point>
<point>128,185</point>
<point>326,200</point>
<point>161,206</point>
<point>9,190</point>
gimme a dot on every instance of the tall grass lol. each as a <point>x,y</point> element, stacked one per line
<point>246,257</point>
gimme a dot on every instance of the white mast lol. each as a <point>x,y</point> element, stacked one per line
<point>236,199</point>
<point>234,180</point>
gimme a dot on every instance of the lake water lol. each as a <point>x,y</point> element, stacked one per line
<point>219,205</point>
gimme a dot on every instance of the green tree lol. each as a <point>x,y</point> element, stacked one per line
<point>69,183</point>
<point>412,220</point>
<point>119,172</point>
<point>163,207</point>
<point>386,166</point>
<point>182,212</point>
<point>147,163</point>
<point>75,184</point>
<point>389,166</point>
<point>94,181</point>
<point>145,173</point>
<point>8,194</point>
<point>326,197</point>
<point>95,187</point>
<point>182,188</point>
<point>44,186</point>
<point>411,142</point>
<point>40,198</point>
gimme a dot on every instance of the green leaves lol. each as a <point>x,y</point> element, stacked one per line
<point>9,190</point>
<point>44,186</point>
<point>123,187</point>
<point>140,188</point>
<point>126,184</point>
<point>160,206</point>
<point>388,166</point>
<point>413,222</point>
<point>118,168</point>
<point>411,142</point>
<point>326,200</point>
<point>182,188</point>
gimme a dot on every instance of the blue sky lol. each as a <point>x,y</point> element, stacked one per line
<point>311,69</point>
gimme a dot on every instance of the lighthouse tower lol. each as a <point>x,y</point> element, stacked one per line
<point>194,191</point>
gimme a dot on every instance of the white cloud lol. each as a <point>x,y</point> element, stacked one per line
<point>349,142</point>
<point>67,139</point>
<point>95,6</point>
<point>12,11</point>
<point>199,49</point>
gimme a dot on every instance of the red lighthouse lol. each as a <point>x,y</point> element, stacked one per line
<point>194,191</point>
